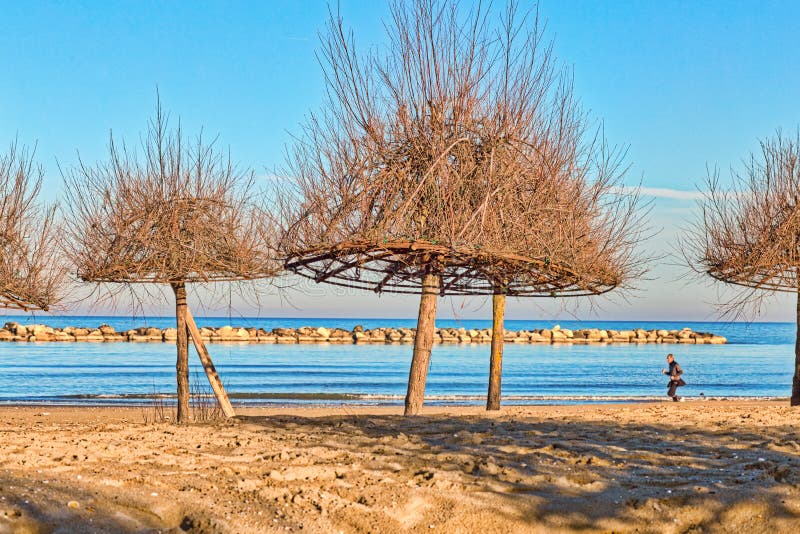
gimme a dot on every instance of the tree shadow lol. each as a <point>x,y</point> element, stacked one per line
<point>571,474</point>
<point>32,506</point>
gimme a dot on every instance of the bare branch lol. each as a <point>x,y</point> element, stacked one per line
<point>750,235</point>
<point>32,270</point>
<point>181,212</point>
<point>461,146</point>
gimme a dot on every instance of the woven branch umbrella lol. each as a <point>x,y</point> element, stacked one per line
<point>578,245</point>
<point>749,237</point>
<point>32,271</point>
<point>180,214</point>
<point>454,164</point>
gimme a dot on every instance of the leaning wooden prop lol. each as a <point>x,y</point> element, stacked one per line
<point>180,213</point>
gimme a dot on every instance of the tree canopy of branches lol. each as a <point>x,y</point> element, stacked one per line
<point>180,212</point>
<point>456,162</point>
<point>32,271</point>
<point>750,234</point>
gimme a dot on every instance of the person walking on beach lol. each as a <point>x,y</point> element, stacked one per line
<point>675,380</point>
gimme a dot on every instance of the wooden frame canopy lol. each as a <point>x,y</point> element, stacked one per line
<point>16,302</point>
<point>397,266</point>
<point>780,279</point>
<point>120,277</point>
<point>176,240</point>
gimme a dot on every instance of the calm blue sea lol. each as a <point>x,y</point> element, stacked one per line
<point>757,362</point>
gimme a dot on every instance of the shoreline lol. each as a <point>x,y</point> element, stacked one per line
<point>314,401</point>
<point>456,411</point>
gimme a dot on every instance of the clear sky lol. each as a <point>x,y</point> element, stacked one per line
<point>684,84</point>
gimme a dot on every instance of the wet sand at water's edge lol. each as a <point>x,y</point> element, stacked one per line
<point>714,466</point>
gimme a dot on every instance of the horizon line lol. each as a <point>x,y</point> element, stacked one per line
<point>231,318</point>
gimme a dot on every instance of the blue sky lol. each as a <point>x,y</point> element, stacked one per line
<point>683,84</point>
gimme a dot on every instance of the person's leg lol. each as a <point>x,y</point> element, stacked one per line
<point>671,391</point>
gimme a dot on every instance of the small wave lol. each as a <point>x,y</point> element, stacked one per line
<point>355,399</point>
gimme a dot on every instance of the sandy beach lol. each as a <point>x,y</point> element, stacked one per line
<point>714,466</point>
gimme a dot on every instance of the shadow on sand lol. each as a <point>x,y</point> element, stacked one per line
<point>586,475</point>
<point>33,506</point>
<point>649,468</point>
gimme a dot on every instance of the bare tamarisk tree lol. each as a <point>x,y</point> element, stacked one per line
<point>32,270</point>
<point>453,164</point>
<point>750,234</point>
<point>179,213</point>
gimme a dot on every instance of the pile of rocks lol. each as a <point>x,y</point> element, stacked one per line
<point>308,334</point>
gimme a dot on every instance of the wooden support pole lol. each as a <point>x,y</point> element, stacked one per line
<point>795,398</point>
<point>208,366</point>
<point>423,342</point>
<point>182,345</point>
<point>496,358</point>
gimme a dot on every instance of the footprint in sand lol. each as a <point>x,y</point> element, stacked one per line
<point>411,514</point>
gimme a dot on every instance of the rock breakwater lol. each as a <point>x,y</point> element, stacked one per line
<point>307,334</point>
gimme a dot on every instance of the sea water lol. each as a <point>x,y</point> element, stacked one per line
<point>757,362</point>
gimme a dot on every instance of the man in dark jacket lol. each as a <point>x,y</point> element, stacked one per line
<point>675,380</point>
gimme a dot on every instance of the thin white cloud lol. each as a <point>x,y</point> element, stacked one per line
<point>664,192</point>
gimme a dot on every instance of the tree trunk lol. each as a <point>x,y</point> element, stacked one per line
<point>182,344</point>
<point>795,400</point>
<point>208,366</point>
<point>423,341</point>
<point>496,358</point>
